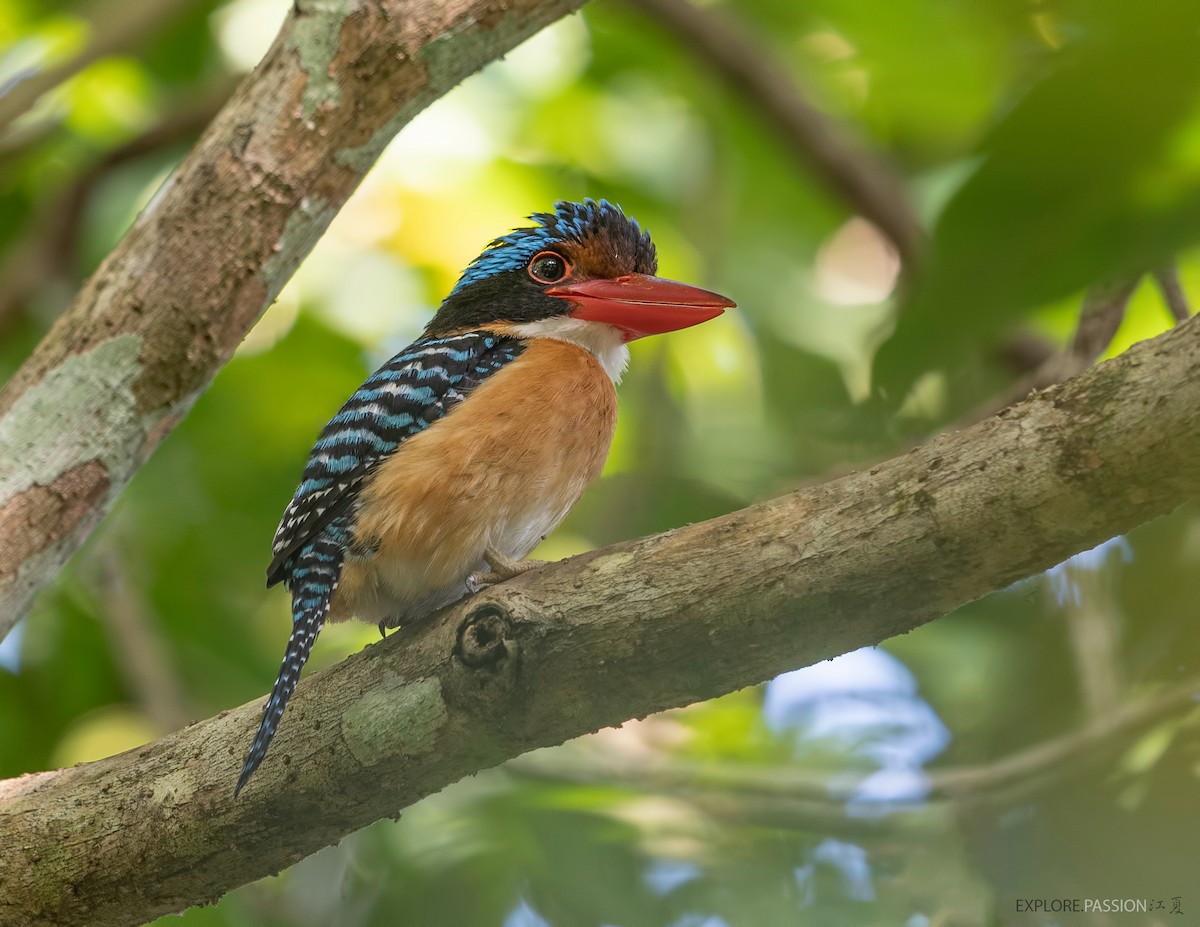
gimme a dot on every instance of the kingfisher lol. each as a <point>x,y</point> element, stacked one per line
<point>461,453</point>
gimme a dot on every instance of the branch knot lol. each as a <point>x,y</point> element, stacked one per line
<point>485,638</point>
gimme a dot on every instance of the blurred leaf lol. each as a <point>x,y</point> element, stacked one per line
<point>1091,175</point>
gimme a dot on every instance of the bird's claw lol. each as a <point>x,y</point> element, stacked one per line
<point>478,581</point>
<point>502,568</point>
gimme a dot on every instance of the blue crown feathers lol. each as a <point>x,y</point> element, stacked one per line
<point>569,222</point>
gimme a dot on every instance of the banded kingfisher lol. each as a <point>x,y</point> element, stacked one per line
<point>461,453</point>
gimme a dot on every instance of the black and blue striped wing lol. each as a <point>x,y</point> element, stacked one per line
<point>404,397</point>
<point>408,394</point>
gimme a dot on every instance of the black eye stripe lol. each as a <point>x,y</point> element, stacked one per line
<point>548,267</point>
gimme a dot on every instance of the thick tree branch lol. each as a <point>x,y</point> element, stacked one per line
<point>621,632</point>
<point>212,250</point>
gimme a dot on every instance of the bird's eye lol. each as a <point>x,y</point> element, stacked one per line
<point>548,267</point>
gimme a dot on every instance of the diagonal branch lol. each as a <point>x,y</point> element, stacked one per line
<point>1100,316</point>
<point>1167,278</point>
<point>211,251</point>
<point>115,26</point>
<point>1004,781</point>
<point>47,248</point>
<point>858,175</point>
<point>621,632</point>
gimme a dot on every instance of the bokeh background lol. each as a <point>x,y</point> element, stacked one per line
<point>1040,743</point>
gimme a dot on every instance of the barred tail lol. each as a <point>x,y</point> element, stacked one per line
<point>313,579</point>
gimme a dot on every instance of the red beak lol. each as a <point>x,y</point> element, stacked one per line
<point>640,305</point>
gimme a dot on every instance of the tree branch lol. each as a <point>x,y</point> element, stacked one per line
<point>865,181</point>
<point>1005,781</point>
<point>138,645</point>
<point>115,26</point>
<point>1167,278</point>
<point>1100,316</point>
<point>212,250</point>
<point>617,633</point>
<point>48,246</point>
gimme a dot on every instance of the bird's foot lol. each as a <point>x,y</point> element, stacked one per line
<point>390,623</point>
<point>501,568</point>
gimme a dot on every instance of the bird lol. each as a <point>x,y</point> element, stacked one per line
<point>462,452</point>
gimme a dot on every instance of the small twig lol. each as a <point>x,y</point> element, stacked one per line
<point>1025,352</point>
<point>1093,624</point>
<point>116,26</point>
<point>1099,318</point>
<point>1014,778</point>
<point>857,174</point>
<point>139,649</point>
<point>1003,781</point>
<point>1167,278</point>
<point>48,247</point>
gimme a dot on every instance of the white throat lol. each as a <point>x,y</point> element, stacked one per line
<point>605,342</point>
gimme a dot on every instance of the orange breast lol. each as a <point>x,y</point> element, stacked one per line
<point>502,469</point>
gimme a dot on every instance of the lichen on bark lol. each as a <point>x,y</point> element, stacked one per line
<point>218,242</point>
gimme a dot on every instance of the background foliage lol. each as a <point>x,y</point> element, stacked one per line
<point>1045,145</point>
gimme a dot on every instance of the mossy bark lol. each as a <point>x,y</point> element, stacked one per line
<point>213,249</point>
<point>614,634</point>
